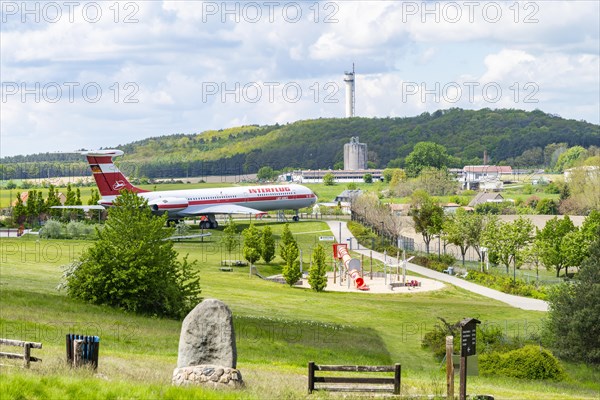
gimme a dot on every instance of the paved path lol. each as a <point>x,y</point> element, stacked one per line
<point>524,303</point>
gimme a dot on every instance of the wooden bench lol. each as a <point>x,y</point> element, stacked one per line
<point>26,356</point>
<point>231,263</point>
<point>357,384</point>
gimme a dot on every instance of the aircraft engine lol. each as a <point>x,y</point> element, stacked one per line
<point>169,204</point>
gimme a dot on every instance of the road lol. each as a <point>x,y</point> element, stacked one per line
<point>524,303</point>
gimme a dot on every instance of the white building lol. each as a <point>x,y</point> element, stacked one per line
<point>484,176</point>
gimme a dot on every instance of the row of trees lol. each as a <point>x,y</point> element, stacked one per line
<point>559,245</point>
<point>261,244</point>
<point>36,209</point>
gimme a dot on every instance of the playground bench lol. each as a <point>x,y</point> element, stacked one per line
<point>395,285</point>
<point>26,356</point>
<point>237,263</point>
<point>358,384</point>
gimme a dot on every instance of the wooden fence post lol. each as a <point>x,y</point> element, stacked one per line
<point>397,370</point>
<point>311,377</point>
<point>27,355</point>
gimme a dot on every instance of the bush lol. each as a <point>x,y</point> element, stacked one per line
<point>133,267</point>
<point>52,230</point>
<point>506,284</point>
<point>529,362</point>
<point>76,229</point>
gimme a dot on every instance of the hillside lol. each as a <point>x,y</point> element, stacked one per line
<point>313,144</point>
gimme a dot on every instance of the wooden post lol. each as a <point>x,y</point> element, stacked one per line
<point>462,393</point>
<point>334,271</point>
<point>397,370</point>
<point>77,353</point>
<point>27,355</point>
<point>311,377</point>
<point>449,368</point>
<point>371,257</point>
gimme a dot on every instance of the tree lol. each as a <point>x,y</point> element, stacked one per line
<point>231,238</point>
<point>133,267</point>
<point>252,245</point>
<point>427,215</point>
<point>573,321</point>
<point>19,213</point>
<point>53,200</point>
<point>71,196</point>
<point>317,274</point>
<point>507,241</point>
<point>570,158</point>
<point>329,179</point>
<point>426,154</point>
<point>267,250</point>
<point>547,207</point>
<point>291,269</point>
<point>266,174</point>
<point>286,239</point>
<point>551,243</point>
<point>368,178</point>
<point>461,229</point>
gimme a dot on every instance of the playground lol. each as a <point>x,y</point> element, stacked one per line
<point>348,275</point>
<point>379,284</point>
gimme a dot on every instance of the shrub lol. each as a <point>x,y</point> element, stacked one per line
<point>76,229</point>
<point>529,362</point>
<point>52,230</point>
<point>133,267</point>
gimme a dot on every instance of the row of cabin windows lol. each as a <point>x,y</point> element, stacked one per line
<point>232,196</point>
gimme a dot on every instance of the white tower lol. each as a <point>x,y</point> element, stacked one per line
<point>350,98</point>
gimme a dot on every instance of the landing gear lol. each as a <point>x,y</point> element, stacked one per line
<point>295,218</point>
<point>172,222</point>
<point>209,222</point>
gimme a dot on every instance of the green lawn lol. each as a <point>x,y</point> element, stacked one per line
<point>279,329</point>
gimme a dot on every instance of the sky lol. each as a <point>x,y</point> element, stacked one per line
<point>91,74</point>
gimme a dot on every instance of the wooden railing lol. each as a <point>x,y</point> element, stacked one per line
<point>356,384</point>
<point>26,356</point>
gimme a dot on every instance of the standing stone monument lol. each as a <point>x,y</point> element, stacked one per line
<point>207,352</point>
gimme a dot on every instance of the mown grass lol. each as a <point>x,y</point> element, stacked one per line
<point>279,329</point>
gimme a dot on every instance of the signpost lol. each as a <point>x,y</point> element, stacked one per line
<point>468,342</point>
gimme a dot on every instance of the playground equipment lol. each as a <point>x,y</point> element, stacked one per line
<point>352,265</point>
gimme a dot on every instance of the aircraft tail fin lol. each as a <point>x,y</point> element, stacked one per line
<point>109,179</point>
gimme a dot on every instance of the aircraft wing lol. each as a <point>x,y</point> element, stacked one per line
<point>220,209</point>
<point>84,208</point>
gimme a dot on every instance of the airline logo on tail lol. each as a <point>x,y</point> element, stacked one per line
<point>109,179</point>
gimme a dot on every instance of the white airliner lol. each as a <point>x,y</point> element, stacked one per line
<point>197,202</point>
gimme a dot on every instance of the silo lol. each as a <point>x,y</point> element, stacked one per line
<point>355,155</point>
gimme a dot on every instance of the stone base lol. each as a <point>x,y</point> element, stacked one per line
<point>211,376</point>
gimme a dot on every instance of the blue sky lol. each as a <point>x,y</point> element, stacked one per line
<point>98,74</point>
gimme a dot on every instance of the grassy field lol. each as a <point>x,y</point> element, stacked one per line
<point>278,330</point>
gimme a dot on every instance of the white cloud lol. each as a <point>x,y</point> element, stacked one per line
<point>177,49</point>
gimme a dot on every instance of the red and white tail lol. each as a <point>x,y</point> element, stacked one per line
<point>109,179</point>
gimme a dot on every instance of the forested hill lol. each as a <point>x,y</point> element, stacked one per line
<point>312,144</point>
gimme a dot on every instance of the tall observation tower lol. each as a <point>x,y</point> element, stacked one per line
<point>350,97</point>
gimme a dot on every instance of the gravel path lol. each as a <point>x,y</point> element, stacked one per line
<point>524,303</point>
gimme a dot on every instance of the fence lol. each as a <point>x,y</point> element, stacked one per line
<point>26,356</point>
<point>358,383</point>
